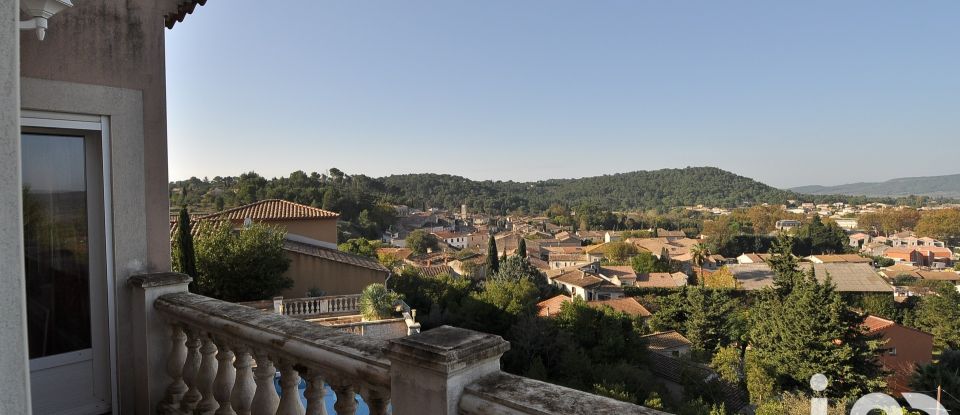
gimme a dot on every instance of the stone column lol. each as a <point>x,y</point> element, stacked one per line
<point>14,384</point>
<point>151,336</point>
<point>429,371</point>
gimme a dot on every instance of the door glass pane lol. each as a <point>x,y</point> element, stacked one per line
<point>56,234</point>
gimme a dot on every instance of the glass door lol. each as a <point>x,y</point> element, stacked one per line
<point>66,278</point>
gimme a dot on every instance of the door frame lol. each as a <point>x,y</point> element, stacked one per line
<point>97,144</point>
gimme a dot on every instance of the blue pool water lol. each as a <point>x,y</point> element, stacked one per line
<point>329,397</point>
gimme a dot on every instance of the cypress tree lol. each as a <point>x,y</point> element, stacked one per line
<point>185,256</point>
<point>522,248</point>
<point>493,261</point>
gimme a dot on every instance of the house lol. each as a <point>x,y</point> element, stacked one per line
<point>662,280</point>
<point>302,223</point>
<point>847,277</point>
<point>905,349</point>
<point>668,343</point>
<point>859,240</point>
<point>846,223</point>
<point>626,305</point>
<point>847,258</point>
<point>787,224</point>
<point>587,285</point>
<point>920,255</point>
<point>316,265</point>
<point>753,258</point>
<point>454,239</point>
<point>94,321</point>
<point>670,235</point>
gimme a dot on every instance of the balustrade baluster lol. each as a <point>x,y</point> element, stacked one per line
<point>314,394</point>
<point>377,401</point>
<point>206,374</point>
<point>226,375</point>
<point>175,361</point>
<point>265,400</point>
<point>190,368</point>
<point>346,403</point>
<point>290,394</point>
<point>243,387</point>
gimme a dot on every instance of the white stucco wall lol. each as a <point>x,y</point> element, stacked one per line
<point>14,384</point>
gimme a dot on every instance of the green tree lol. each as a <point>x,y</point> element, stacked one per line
<point>699,253</point>
<point>243,265</point>
<point>708,322</point>
<point>943,224</point>
<point>644,263</point>
<point>727,363</point>
<point>377,303</point>
<point>420,242</point>
<point>184,255</point>
<point>361,246</point>
<point>944,373</point>
<point>619,252</point>
<point>522,248</point>
<point>811,330</point>
<point>939,314</point>
<point>493,262</point>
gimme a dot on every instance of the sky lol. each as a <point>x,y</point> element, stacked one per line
<point>788,93</point>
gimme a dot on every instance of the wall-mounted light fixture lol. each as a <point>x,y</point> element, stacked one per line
<point>41,10</point>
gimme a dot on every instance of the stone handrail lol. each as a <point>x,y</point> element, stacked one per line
<point>215,346</point>
<point>313,306</point>
<point>222,358</point>
<point>505,394</point>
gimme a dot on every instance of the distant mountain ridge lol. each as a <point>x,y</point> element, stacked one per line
<point>934,186</point>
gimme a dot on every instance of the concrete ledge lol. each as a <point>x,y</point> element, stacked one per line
<point>160,279</point>
<point>506,394</point>
<point>447,349</point>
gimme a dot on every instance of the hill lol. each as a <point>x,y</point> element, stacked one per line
<point>934,186</point>
<point>638,190</point>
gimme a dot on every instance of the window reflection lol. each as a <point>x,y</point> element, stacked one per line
<point>56,244</point>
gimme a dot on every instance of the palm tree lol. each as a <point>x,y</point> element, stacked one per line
<point>699,253</point>
<point>376,302</point>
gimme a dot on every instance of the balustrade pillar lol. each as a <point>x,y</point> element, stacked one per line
<point>190,368</point>
<point>175,362</point>
<point>226,375</point>
<point>290,390</point>
<point>265,400</point>
<point>377,401</point>
<point>241,398</point>
<point>205,376</point>
<point>315,393</point>
<point>346,403</point>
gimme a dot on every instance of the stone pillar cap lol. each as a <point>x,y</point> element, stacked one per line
<point>447,349</point>
<point>158,279</point>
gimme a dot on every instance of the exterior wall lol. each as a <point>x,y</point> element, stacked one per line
<point>334,278</point>
<point>324,230</point>
<point>117,44</point>
<point>913,348</point>
<point>14,384</point>
<point>130,237</point>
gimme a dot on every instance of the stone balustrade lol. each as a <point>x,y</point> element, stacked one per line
<point>224,356</point>
<point>314,306</point>
<point>206,356</point>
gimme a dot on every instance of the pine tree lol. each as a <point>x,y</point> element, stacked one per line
<point>184,256</point>
<point>493,261</point>
<point>522,248</point>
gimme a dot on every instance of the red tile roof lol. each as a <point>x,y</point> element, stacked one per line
<point>273,209</point>
<point>183,9</point>
<point>873,323</point>
<point>551,306</point>
<point>628,305</point>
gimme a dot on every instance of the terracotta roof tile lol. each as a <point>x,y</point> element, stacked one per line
<point>333,255</point>
<point>551,306</point>
<point>628,305</point>
<point>273,209</point>
<point>183,9</point>
<point>664,340</point>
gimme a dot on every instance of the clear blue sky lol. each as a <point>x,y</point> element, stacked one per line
<point>789,93</point>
